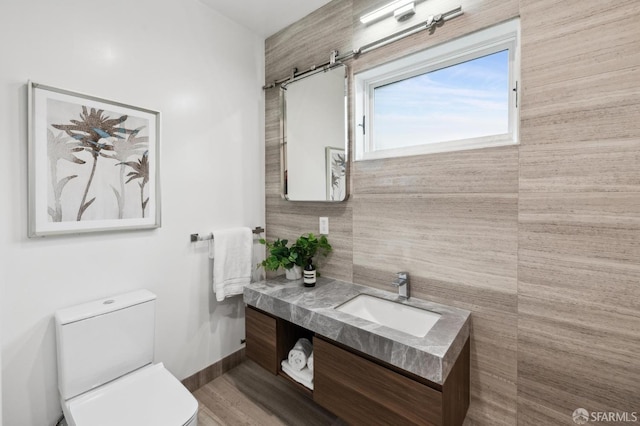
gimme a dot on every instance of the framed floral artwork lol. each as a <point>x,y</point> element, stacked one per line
<point>336,166</point>
<point>93,164</point>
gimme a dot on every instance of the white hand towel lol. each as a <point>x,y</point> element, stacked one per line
<point>299,354</point>
<point>232,257</point>
<point>310,362</point>
<point>304,376</point>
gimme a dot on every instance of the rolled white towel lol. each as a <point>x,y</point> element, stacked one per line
<point>300,353</point>
<point>304,376</point>
<point>310,362</point>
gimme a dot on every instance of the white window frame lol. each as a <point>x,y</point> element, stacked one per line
<point>505,36</point>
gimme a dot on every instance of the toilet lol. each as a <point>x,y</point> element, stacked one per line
<point>106,374</point>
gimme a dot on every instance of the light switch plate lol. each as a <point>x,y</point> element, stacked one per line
<point>324,226</point>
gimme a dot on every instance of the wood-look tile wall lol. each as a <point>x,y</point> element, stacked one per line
<point>305,43</point>
<point>579,214</point>
<point>540,241</point>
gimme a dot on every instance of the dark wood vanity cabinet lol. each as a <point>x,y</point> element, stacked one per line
<point>357,388</point>
<point>260,330</point>
<point>362,391</point>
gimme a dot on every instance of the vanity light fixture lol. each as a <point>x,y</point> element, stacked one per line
<point>402,9</point>
<point>405,12</point>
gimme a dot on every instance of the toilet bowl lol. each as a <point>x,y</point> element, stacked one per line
<point>106,376</point>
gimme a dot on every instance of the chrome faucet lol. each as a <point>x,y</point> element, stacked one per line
<point>402,282</point>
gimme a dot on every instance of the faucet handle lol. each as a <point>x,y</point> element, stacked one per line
<point>402,278</point>
<point>402,282</point>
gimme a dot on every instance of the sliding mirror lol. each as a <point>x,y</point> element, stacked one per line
<point>314,140</point>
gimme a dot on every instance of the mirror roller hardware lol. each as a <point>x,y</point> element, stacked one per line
<point>333,57</point>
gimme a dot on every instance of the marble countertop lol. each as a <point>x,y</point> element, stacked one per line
<point>430,357</point>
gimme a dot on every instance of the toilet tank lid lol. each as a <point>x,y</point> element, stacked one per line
<point>103,306</point>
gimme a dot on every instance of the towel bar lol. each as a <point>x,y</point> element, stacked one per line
<point>196,237</point>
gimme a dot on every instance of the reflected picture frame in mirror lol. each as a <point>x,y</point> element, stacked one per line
<point>314,141</point>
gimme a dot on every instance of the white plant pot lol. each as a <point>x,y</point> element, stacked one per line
<point>294,273</point>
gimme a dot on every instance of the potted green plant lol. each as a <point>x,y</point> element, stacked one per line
<point>307,246</point>
<point>281,256</point>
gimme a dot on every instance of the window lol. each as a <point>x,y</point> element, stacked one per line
<point>458,95</point>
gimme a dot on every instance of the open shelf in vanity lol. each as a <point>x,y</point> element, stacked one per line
<point>269,340</point>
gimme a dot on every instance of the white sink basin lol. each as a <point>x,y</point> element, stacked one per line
<point>405,318</point>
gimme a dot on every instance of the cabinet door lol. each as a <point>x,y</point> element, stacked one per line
<point>364,393</point>
<point>261,339</point>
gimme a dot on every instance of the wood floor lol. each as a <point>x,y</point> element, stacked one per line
<point>249,395</point>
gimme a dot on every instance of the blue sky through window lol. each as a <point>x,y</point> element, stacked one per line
<point>466,100</point>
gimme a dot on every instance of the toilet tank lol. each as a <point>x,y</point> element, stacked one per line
<point>102,340</point>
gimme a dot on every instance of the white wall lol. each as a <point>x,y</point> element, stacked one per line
<point>204,73</point>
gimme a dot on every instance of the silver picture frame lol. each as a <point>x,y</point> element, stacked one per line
<point>93,164</point>
<point>336,166</point>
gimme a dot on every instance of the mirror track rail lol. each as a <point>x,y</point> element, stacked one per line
<point>431,23</point>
